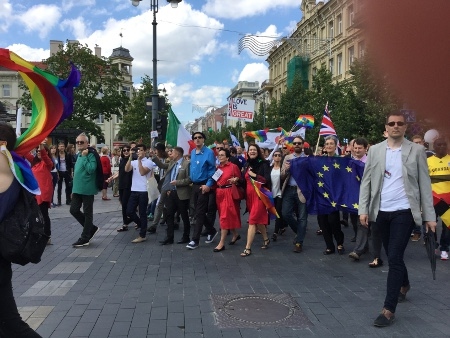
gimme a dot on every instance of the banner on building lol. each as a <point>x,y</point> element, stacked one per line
<point>241,109</point>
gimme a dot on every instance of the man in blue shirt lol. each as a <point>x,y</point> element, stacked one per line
<point>202,168</point>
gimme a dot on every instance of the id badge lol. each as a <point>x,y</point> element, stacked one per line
<point>217,174</point>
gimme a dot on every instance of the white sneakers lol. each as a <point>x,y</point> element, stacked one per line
<point>444,255</point>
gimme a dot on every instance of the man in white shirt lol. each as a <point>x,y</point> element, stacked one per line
<point>141,168</point>
<point>396,193</point>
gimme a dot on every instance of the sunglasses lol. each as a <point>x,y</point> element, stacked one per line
<point>220,148</point>
<point>80,142</point>
<point>277,155</point>
<point>198,137</point>
<point>399,123</point>
<point>125,150</point>
<point>284,148</point>
<point>297,143</point>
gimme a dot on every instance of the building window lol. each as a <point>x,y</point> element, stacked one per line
<point>314,71</point>
<point>331,29</point>
<point>362,49</point>
<point>100,119</point>
<point>118,119</point>
<point>322,33</point>
<point>351,56</point>
<point>351,15</point>
<point>314,41</point>
<point>6,90</point>
<point>339,21</point>
<point>126,90</point>
<point>339,65</point>
<point>331,63</point>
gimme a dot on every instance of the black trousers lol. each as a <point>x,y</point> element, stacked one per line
<point>124,196</point>
<point>201,202</point>
<point>64,176</point>
<point>174,204</point>
<point>11,324</point>
<point>44,206</point>
<point>331,227</point>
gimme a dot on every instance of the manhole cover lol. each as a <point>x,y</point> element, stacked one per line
<point>257,310</point>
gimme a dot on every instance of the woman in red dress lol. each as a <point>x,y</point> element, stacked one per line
<point>258,169</point>
<point>106,168</point>
<point>229,211</point>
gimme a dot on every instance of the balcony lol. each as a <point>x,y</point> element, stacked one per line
<point>267,85</point>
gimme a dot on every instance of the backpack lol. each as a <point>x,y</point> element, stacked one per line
<point>22,237</point>
<point>99,171</point>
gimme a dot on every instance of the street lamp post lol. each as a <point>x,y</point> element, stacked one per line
<point>154,7</point>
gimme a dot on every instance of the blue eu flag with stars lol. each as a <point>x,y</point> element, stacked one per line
<point>328,183</point>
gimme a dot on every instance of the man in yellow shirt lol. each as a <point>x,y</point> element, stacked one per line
<point>439,169</point>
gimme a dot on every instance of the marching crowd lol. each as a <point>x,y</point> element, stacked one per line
<point>395,198</point>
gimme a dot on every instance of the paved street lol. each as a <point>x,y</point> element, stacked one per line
<point>114,288</point>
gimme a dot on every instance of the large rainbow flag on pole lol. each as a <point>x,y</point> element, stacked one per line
<point>52,103</point>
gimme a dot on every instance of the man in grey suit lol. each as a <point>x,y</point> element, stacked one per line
<point>396,194</point>
<point>176,185</point>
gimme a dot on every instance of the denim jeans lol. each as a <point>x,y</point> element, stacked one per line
<point>11,324</point>
<point>395,228</point>
<point>138,199</point>
<point>86,217</point>
<point>291,204</point>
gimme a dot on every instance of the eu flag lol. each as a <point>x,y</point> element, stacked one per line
<point>328,183</point>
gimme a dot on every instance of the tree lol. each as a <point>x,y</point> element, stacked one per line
<point>99,92</point>
<point>137,122</point>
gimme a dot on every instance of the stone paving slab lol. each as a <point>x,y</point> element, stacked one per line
<point>119,289</point>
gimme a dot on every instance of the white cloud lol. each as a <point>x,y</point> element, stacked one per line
<point>244,8</point>
<point>67,5</point>
<point>5,15</point>
<point>28,53</point>
<point>77,26</point>
<point>40,18</point>
<point>254,72</point>
<point>291,27</point>
<point>178,46</point>
<point>195,69</point>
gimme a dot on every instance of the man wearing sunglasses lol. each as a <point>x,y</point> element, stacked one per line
<point>202,168</point>
<point>396,194</point>
<point>83,190</point>
<point>294,203</point>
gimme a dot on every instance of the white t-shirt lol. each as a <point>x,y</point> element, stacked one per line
<point>275,176</point>
<point>139,182</point>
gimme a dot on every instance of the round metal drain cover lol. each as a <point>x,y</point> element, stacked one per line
<point>257,310</point>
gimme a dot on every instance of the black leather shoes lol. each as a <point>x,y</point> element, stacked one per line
<point>184,240</point>
<point>219,250</point>
<point>167,241</point>
<point>151,229</point>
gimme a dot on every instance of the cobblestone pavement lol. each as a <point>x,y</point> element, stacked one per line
<point>114,288</point>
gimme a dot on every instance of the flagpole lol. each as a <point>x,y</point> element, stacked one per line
<point>318,138</point>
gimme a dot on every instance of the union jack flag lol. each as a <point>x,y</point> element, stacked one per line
<point>327,127</point>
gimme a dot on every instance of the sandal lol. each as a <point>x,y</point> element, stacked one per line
<point>266,243</point>
<point>328,252</point>
<point>377,262</point>
<point>340,249</point>
<point>246,252</point>
<point>123,228</point>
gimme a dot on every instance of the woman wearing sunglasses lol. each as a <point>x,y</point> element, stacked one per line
<point>277,183</point>
<point>124,186</point>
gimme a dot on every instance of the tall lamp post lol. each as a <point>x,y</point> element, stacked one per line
<point>154,7</point>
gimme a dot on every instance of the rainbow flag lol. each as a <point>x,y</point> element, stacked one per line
<point>305,121</point>
<point>52,103</point>
<point>52,99</point>
<point>258,135</point>
<point>265,195</point>
<point>289,142</point>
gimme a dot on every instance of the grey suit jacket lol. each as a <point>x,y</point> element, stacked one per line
<point>183,181</point>
<point>416,181</point>
<point>286,175</point>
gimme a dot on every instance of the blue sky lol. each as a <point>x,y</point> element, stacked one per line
<point>197,42</point>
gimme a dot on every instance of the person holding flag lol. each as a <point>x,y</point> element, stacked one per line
<point>256,169</point>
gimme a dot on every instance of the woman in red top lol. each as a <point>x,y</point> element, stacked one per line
<point>229,211</point>
<point>41,165</point>
<point>106,167</point>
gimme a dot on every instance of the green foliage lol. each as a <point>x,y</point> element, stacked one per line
<point>99,91</point>
<point>137,122</point>
<point>357,106</point>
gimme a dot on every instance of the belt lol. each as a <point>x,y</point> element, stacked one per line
<point>224,186</point>
<point>200,183</point>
